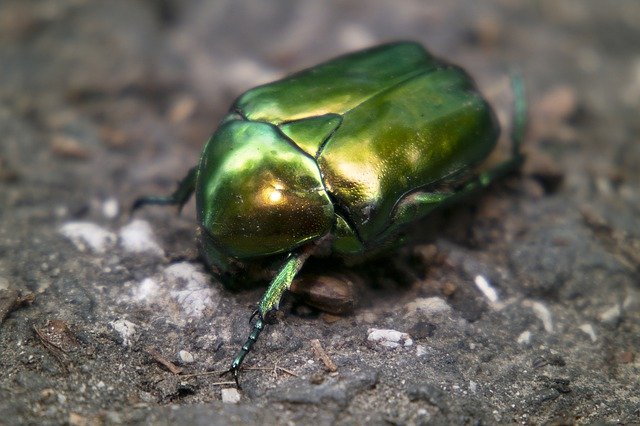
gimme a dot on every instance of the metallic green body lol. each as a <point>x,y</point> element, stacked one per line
<point>346,152</point>
<point>259,194</point>
<point>335,149</point>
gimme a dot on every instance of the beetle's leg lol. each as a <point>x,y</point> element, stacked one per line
<point>179,197</point>
<point>519,114</point>
<point>421,204</point>
<point>270,302</point>
<point>518,129</point>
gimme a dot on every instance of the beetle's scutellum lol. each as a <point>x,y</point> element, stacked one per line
<point>350,150</point>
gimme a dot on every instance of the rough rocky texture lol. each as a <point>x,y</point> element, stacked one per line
<point>522,307</point>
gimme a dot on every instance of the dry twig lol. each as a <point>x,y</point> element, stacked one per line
<point>163,361</point>
<point>329,365</point>
<point>10,300</point>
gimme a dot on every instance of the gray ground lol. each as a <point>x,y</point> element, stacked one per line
<point>101,102</point>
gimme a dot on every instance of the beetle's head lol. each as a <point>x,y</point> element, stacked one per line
<point>258,194</point>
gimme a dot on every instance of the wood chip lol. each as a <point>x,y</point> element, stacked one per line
<point>329,365</point>
<point>157,356</point>
<point>58,334</point>
<point>57,353</point>
<point>10,300</point>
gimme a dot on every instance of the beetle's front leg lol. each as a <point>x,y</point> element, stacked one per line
<point>179,197</point>
<point>270,302</point>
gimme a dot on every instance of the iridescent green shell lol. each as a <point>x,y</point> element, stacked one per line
<point>335,149</point>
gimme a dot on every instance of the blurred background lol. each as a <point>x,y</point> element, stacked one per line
<point>101,102</point>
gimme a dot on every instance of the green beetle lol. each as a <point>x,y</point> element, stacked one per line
<point>341,155</point>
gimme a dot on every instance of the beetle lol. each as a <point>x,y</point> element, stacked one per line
<point>343,154</point>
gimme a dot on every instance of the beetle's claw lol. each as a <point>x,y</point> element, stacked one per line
<point>235,377</point>
<point>234,371</point>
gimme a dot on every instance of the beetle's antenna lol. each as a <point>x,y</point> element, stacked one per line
<point>519,125</point>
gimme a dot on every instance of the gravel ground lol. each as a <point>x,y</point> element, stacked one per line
<point>523,307</point>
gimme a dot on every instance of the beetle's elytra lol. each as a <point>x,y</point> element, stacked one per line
<point>349,151</point>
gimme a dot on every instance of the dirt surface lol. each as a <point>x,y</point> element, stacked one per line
<point>522,308</point>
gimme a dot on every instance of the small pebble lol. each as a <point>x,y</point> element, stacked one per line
<point>524,338</point>
<point>489,291</point>
<point>186,356</point>
<point>316,378</point>
<point>146,290</point>
<point>88,235</point>
<point>191,288</point>
<point>389,338</point>
<point>110,208</point>
<point>137,237</point>
<point>588,329</point>
<point>542,312</point>
<point>126,330</point>
<point>76,419</point>
<point>230,395</point>
<point>611,315</point>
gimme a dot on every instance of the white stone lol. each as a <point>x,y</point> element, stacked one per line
<point>191,288</point>
<point>421,350</point>
<point>524,338</point>
<point>88,235</point>
<point>589,330</point>
<point>611,315</point>
<point>146,290</point>
<point>631,301</point>
<point>126,329</point>
<point>542,312</point>
<point>186,356</point>
<point>110,208</point>
<point>137,237</point>
<point>230,395</point>
<point>487,290</point>
<point>389,338</point>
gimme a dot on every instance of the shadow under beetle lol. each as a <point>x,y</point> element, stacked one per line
<point>344,154</point>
